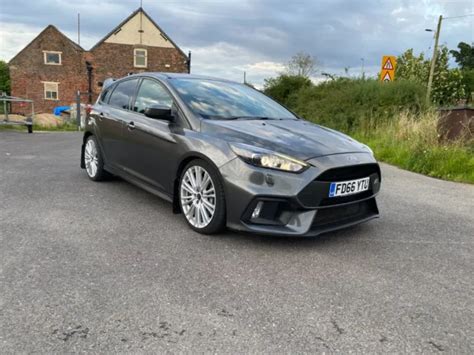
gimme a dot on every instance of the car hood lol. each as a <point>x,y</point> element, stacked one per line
<point>297,138</point>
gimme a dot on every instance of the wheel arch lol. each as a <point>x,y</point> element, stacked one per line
<point>84,138</point>
<point>185,160</point>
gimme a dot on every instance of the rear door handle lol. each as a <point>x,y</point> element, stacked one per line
<point>131,125</point>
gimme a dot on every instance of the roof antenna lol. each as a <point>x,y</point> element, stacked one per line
<point>78,28</point>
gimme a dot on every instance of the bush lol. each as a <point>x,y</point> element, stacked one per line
<point>349,105</point>
<point>4,77</point>
<point>285,88</point>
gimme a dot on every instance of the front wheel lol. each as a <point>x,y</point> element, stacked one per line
<point>201,197</point>
<point>93,160</point>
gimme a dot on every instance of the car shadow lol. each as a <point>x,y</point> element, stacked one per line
<point>329,239</point>
<point>244,239</point>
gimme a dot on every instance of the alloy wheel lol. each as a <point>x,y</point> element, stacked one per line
<point>91,158</point>
<point>198,196</point>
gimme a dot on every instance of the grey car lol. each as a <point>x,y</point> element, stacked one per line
<point>226,155</point>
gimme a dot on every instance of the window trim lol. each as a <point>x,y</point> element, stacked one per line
<point>44,90</point>
<point>135,50</point>
<point>45,57</point>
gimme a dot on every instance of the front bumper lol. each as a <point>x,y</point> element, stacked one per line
<point>298,204</point>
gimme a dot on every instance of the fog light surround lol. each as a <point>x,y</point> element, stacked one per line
<point>268,211</point>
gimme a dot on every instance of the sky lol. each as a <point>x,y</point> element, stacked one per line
<point>228,37</point>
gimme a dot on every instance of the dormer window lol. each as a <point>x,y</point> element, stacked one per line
<point>52,57</point>
<point>140,58</point>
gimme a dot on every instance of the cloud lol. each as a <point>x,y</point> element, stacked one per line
<point>256,36</point>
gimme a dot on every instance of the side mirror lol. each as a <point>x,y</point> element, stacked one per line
<point>159,112</point>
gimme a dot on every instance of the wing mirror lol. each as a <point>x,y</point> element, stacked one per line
<point>159,112</point>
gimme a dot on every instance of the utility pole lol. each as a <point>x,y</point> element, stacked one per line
<point>433,60</point>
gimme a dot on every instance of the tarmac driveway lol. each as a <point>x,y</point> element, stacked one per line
<point>107,267</point>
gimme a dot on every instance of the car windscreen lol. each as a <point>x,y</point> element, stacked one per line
<point>213,99</point>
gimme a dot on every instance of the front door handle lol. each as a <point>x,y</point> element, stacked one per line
<point>131,125</point>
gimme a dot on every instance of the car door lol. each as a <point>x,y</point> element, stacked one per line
<point>111,118</point>
<point>150,144</point>
<point>107,130</point>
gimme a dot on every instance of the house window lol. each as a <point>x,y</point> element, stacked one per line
<point>140,58</point>
<point>52,58</point>
<point>51,91</point>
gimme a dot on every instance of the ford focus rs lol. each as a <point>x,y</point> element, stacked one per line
<point>226,155</point>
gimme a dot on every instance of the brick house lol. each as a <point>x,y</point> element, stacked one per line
<point>52,68</point>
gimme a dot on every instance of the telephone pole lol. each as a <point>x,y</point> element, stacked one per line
<point>433,60</point>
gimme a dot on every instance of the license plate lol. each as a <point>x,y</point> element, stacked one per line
<point>351,187</point>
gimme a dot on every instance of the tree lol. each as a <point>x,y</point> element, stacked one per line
<point>464,57</point>
<point>301,64</point>
<point>448,86</point>
<point>4,77</point>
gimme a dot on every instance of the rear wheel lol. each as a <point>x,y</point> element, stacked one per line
<point>201,197</point>
<point>93,160</point>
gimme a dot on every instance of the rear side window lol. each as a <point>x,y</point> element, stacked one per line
<point>151,93</point>
<point>122,94</point>
<point>104,97</point>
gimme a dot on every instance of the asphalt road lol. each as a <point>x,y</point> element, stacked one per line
<point>107,267</point>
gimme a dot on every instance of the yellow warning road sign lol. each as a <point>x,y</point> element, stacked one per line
<point>386,76</point>
<point>389,63</point>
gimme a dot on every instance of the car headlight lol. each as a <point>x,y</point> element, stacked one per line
<point>267,159</point>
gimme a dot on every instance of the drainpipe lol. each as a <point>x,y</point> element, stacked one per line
<point>89,80</point>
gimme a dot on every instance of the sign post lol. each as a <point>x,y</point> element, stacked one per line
<point>389,63</point>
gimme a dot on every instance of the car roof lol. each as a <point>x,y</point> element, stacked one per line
<point>170,76</point>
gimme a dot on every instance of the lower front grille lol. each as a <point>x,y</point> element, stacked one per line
<point>349,172</point>
<point>344,214</point>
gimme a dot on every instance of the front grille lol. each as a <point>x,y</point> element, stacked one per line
<point>349,173</point>
<point>344,214</point>
<point>316,193</point>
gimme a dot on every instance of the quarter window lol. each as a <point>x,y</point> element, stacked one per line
<point>52,58</point>
<point>104,97</point>
<point>140,58</point>
<point>122,94</point>
<point>151,93</point>
<point>51,91</point>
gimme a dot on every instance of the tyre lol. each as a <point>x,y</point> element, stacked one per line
<point>93,160</point>
<point>201,197</point>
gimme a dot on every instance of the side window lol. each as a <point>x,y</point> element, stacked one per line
<point>122,94</point>
<point>151,93</point>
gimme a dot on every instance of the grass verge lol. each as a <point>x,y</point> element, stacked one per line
<point>411,142</point>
